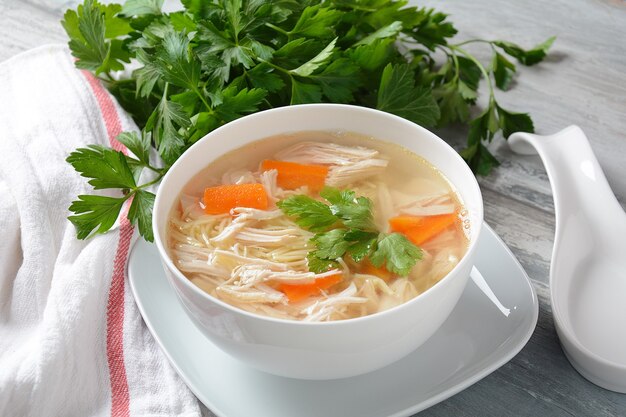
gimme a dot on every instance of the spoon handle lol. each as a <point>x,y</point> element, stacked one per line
<point>578,183</point>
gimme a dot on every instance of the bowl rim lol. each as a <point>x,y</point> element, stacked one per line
<point>167,260</point>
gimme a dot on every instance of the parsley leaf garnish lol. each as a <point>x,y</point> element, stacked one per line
<point>396,253</point>
<point>330,245</point>
<point>308,213</point>
<point>345,226</point>
<point>319,265</point>
<point>355,213</point>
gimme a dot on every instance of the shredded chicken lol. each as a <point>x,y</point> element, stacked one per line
<point>347,164</point>
<point>326,153</point>
<point>384,207</point>
<point>238,176</point>
<point>342,175</point>
<point>256,214</point>
<point>403,290</point>
<point>268,180</point>
<point>324,309</point>
<point>265,237</point>
<point>251,274</point>
<point>430,205</point>
<point>251,295</point>
<point>243,218</point>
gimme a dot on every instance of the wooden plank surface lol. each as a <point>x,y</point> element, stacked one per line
<point>582,82</point>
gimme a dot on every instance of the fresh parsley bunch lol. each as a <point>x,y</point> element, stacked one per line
<point>218,60</point>
<point>345,226</point>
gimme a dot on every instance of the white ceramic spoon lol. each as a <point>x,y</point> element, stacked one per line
<point>588,268</point>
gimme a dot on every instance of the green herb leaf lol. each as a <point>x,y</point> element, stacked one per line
<point>139,145</point>
<point>316,22</point>
<point>452,102</point>
<point>480,160</point>
<point>214,42</point>
<point>106,167</point>
<point>482,128</point>
<point>305,92</point>
<point>164,123</point>
<point>514,122</point>
<point>469,72</point>
<point>397,94</point>
<point>140,213</point>
<point>527,57</point>
<point>336,196</point>
<point>362,244</point>
<point>330,245</point>
<point>355,213</point>
<point>432,29</point>
<point>503,71</point>
<point>147,76</point>
<point>389,31</point>
<point>91,29</point>
<point>141,7</point>
<point>374,55</point>
<point>309,214</point>
<point>94,213</point>
<point>347,227</point>
<point>176,64</point>
<point>237,103</point>
<point>397,253</point>
<point>317,61</point>
<point>339,80</point>
<point>319,265</point>
<point>263,76</point>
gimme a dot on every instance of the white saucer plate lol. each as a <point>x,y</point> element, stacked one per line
<point>475,340</point>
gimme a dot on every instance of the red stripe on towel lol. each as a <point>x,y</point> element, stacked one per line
<point>109,113</point>
<point>120,397</point>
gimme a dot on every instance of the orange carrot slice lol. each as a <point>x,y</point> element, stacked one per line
<point>223,198</point>
<point>420,229</point>
<point>381,272</point>
<point>298,292</point>
<point>292,175</point>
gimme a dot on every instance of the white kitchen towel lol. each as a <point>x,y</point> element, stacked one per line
<point>72,342</point>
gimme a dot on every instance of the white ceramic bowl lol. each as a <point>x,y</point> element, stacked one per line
<point>325,350</point>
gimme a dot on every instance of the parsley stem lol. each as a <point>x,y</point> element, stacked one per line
<point>157,170</point>
<point>206,104</point>
<point>480,66</point>
<point>154,181</point>
<point>276,67</point>
<point>277,29</point>
<point>356,6</point>
<point>456,66</point>
<point>452,55</point>
<point>471,41</point>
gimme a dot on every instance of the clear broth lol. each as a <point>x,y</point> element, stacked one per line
<point>407,177</point>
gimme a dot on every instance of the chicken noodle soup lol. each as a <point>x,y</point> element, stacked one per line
<point>317,226</point>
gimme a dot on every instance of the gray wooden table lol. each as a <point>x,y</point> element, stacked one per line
<point>583,82</point>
